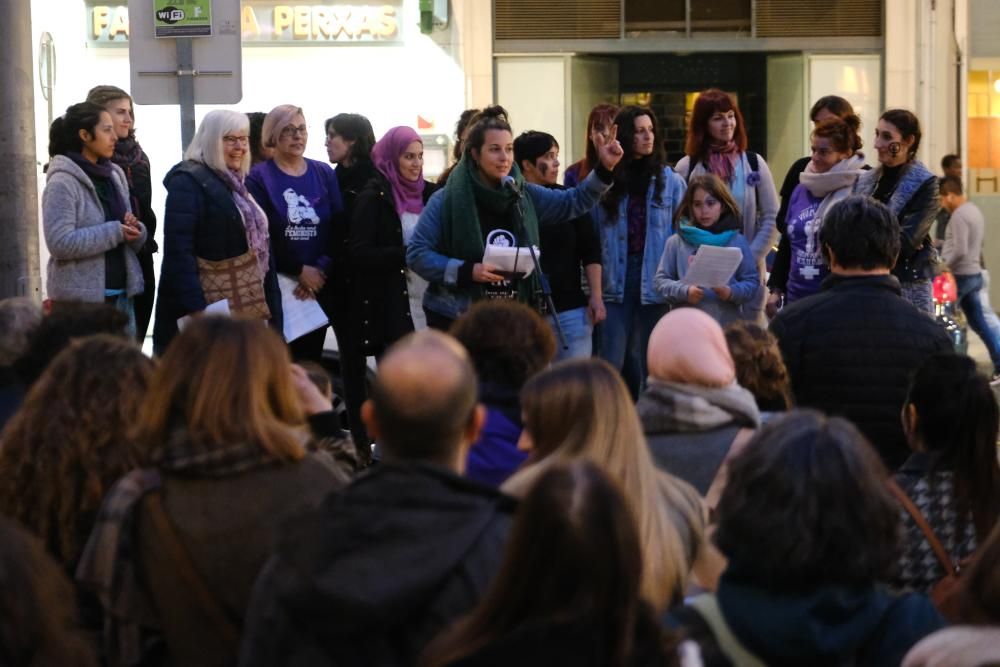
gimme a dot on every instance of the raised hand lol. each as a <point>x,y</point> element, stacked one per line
<point>609,151</point>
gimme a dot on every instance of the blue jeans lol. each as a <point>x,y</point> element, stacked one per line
<point>625,333</point>
<point>984,298</point>
<point>968,298</point>
<point>920,293</point>
<point>579,334</point>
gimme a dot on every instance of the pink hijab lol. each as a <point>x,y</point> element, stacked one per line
<point>408,196</point>
<point>688,347</point>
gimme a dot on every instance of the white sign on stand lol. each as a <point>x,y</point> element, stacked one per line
<point>216,62</point>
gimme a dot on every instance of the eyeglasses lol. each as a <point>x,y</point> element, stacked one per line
<point>236,141</point>
<point>292,131</point>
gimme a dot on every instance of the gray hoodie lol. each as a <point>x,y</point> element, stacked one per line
<point>77,235</point>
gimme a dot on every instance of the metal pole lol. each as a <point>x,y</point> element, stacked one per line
<point>19,274</point>
<point>185,89</point>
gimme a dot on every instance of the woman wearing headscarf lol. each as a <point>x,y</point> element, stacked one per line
<point>135,165</point>
<point>693,412</point>
<point>386,211</point>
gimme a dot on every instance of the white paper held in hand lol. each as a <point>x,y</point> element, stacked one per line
<point>511,260</point>
<point>217,308</point>
<point>713,266</point>
<point>301,315</point>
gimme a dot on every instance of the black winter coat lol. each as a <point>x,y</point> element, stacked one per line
<point>377,571</point>
<point>200,220</point>
<point>380,306</point>
<point>851,350</point>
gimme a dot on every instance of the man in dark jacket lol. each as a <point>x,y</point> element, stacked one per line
<point>851,349</point>
<point>373,576</point>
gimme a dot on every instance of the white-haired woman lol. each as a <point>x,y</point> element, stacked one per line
<point>305,214</point>
<point>212,223</point>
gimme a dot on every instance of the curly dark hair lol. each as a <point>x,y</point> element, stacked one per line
<point>68,443</point>
<point>645,169</point>
<point>760,368</point>
<point>806,505</point>
<point>508,341</point>
<point>37,606</point>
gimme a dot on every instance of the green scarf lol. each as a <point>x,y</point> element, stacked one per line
<point>697,236</point>
<point>461,235</point>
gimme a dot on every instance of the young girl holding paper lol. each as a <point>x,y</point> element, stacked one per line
<point>708,216</point>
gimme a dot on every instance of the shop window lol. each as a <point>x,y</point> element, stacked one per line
<point>984,132</point>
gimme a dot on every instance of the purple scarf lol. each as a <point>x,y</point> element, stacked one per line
<point>128,155</point>
<point>254,220</point>
<point>408,196</point>
<point>117,205</point>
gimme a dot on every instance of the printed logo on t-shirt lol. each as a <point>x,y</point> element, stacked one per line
<point>302,219</point>
<point>809,260</point>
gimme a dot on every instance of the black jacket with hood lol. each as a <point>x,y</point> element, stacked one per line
<point>378,570</point>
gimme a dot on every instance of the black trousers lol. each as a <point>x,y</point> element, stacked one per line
<point>143,303</point>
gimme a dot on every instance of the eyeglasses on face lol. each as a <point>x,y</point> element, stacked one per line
<point>293,130</point>
<point>233,140</point>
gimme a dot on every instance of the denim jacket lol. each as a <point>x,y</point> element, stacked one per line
<point>427,256</point>
<point>659,227</point>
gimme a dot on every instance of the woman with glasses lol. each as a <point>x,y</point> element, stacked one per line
<point>304,212</point>
<point>210,217</point>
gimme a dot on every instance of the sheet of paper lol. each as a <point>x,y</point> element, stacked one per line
<point>301,315</point>
<point>511,260</point>
<point>217,308</point>
<point>713,266</point>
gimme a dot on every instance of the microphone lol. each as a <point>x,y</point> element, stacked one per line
<point>511,184</point>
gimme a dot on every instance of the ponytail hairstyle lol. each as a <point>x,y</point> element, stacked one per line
<point>760,368</point>
<point>650,166</point>
<point>490,118</point>
<point>64,133</point>
<point>908,125</point>
<point>957,417</point>
<point>841,133</point>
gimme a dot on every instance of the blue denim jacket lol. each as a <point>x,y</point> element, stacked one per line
<point>659,227</point>
<point>427,256</point>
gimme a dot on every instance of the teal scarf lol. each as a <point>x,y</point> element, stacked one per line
<point>697,236</point>
<point>461,235</point>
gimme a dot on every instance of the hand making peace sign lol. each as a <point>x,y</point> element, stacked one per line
<point>608,149</point>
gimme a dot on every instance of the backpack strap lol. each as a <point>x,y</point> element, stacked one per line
<point>707,606</point>
<point>918,517</point>
<point>167,536</point>
<point>754,161</point>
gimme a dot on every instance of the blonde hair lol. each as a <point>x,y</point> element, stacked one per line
<point>275,121</point>
<point>206,147</point>
<point>225,381</point>
<point>581,409</point>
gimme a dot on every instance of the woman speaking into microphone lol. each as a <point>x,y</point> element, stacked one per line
<point>481,205</point>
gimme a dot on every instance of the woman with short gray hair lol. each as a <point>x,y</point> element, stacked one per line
<point>215,237</point>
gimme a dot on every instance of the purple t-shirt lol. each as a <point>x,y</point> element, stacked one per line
<point>636,214</point>
<point>300,209</point>
<point>808,268</point>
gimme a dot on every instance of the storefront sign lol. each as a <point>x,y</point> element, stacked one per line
<point>266,22</point>
<point>182,18</point>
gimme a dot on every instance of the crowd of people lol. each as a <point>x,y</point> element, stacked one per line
<point>575,450</point>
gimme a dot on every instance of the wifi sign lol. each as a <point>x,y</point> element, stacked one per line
<point>170,15</point>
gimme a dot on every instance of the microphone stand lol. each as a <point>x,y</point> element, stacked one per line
<point>542,279</point>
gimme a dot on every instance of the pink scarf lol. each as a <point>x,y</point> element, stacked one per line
<point>722,160</point>
<point>687,346</point>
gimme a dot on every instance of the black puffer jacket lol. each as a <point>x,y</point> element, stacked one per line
<point>378,571</point>
<point>380,303</point>
<point>850,351</point>
<point>200,220</point>
<point>915,201</point>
